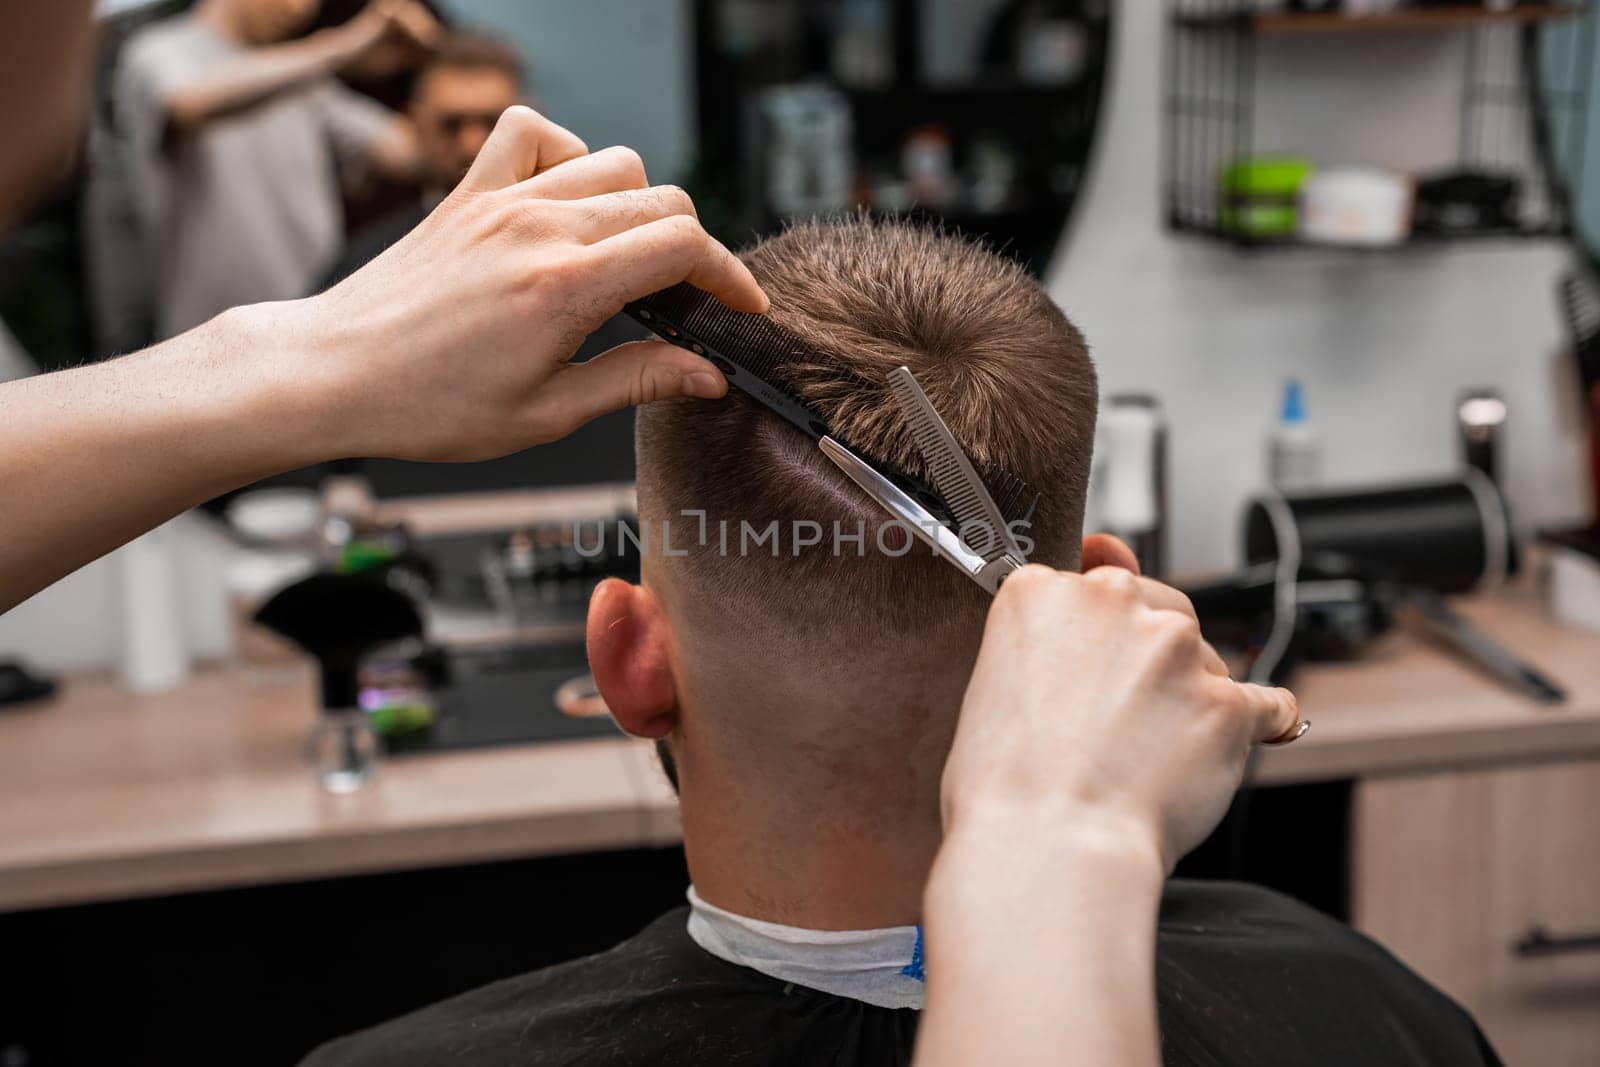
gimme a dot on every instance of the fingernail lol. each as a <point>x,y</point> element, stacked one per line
<point>704,384</point>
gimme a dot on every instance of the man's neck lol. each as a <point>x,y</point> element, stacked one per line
<point>826,870</point>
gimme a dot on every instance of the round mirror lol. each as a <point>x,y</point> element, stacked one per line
<point>1564,55</point>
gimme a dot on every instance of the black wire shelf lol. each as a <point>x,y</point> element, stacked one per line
<point>1415,239</point>
<point>1521,107</point>
<point>1463,16</point>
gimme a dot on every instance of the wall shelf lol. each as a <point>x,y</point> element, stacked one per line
<point>1439,18</point>
<point>1415,240</point>
<point>1511,107</point>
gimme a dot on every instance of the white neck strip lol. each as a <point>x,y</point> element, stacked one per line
<point>878,967</point>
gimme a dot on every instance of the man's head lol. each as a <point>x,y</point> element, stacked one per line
<point>829,677</point>
<point>458,96</point>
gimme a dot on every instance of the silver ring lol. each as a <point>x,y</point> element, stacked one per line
<point>1295,733</point>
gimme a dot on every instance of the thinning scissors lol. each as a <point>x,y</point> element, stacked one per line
<point>982,545</point>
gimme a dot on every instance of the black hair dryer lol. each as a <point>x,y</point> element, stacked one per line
<point>1405,545</point>
<point>1448,536</point>
<point>1359,556</point>
<point>339,619</point>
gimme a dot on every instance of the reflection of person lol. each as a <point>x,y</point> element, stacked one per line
<point>539,245</point>
<point>238,138</point>
<point>805,694</point>
<point>459,92</point>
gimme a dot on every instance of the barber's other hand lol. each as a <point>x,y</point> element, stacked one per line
<point>411,22</point>
<point>1096,708</point>
<point>387,36</point>
<point>454,343</point>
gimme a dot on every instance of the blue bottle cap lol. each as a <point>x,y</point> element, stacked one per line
<point>1294,402</point>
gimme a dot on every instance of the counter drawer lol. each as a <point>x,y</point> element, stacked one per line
<point>1488,884</point>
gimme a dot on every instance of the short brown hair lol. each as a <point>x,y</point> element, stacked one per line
<point>462,50</point>
<point>1007,371</point>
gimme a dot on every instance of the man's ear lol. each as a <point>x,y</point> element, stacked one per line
<point>628,640</point>
<point>1103,550</point>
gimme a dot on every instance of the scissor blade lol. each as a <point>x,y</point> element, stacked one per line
<point>902,506</point>
<point>973,509</point>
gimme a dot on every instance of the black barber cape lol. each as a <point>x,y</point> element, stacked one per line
<point>1245,977</point>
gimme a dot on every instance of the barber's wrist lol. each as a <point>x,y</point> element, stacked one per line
<point>296,390</point>
<point>993,849</point>
<point>1003,905</point>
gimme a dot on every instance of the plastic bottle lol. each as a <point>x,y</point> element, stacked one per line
<point>155,655</point>
<point>1294,451</point>
<point>1129,442</point>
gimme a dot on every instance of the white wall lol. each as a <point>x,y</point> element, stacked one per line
<point>1383,341</point>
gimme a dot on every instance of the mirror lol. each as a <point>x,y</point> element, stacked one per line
<point>1565,57</point>
<point>976,113</point>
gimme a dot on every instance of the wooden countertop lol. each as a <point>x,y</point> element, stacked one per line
<point>106,794</point>
<point>1410,705</point>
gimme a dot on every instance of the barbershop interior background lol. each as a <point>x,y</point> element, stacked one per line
<point>1336,262</point>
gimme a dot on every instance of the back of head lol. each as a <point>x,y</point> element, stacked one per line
<point>832,667</point>
<point>817,676</point>
<point>1003,366</point>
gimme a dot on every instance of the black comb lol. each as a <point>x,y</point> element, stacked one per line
<point>749,350</point>
<point>752,351</point>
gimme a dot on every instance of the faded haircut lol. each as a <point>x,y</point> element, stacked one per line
<point>1001,363</point>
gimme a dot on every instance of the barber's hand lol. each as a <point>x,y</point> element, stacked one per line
<point>410,21</point>
<point>386,37</point>
<point>1097,708</point>
<point>386,21</point>
<point>454,343</point>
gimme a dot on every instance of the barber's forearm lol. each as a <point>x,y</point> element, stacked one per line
<point>454,345</point>
<point>94,456</point>
<point>260,74</point>
<point>1041,949</point>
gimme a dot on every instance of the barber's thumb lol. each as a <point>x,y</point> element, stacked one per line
<point>628,375</point>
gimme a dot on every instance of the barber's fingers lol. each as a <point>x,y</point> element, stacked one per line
<point>1272,711</point>
<point>625,376</point>
<point>523,143</point>
<point>1158,596</point>
<point>1163,597</point>
<point>597,217</point>
<point>1108,550</point>
<point>1214,663</point>
<point>609,170</point>
<point>651,257</point>
<point>414,20</point>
